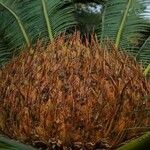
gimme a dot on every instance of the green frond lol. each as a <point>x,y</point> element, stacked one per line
<point>18,21</point>
<point>49,28</point>
<point>26,21</point>
<point>5,53</point>
<point>141,143</point>
<point>143,54</point>
<point>126,23</point>
<point>123,22</point>
<point>147,71</point>
<point>9,144</point>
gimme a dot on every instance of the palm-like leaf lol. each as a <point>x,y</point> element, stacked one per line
<point>140,143</point>
<point>144,51</point>
<point>123,22</point>
<point>5,49</point>
<point>25,21</point>
<point>5,53</point>
<point>8,144</point>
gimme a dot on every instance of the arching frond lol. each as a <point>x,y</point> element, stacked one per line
<point>124,22</point>
<point>26,21</point>
<point>143,54</point>
<point>9,144</point>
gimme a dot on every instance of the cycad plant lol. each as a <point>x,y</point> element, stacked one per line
<point>23,22</point>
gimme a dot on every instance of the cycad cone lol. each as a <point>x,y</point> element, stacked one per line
<point>73,93</point>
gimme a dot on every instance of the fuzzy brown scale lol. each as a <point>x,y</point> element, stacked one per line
<point>74,94</point>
